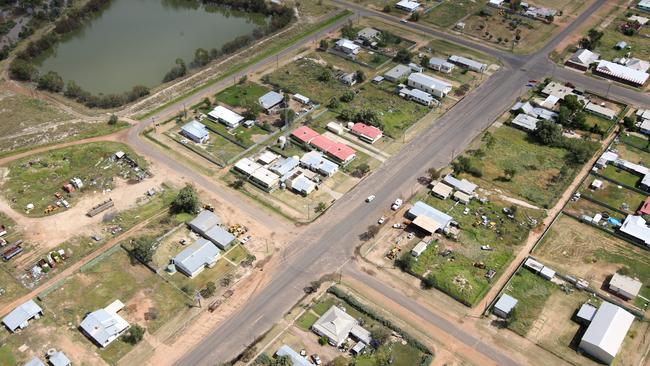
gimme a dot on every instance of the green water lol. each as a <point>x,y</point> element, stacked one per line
<point>136,42</point>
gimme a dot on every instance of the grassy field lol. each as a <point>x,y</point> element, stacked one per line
<point>633,154</point>
<point>542,172</point>
<point>613,195</point>
<point>532,291</point>
<point>35,179</point>
<point>116,276</point>
<point>306,320</point>
<point>241,95</point>
<point>580,250</point>
<point>502,30</point>
<point>442,48</point>
<point>29,122</point>
<point>216,148</point>
<point>450,12</point>
<point>639,45</point>
<point>620,176</point>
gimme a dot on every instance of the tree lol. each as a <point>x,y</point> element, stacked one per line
<point>629,123</point>
<point>134,335</point>
<point>51,81</point>
<point>415,16</point>
<point>380,335</point>
<point>360,76</point>
<point>143,249</point>
<point>361,170</point>
<point>403,56</point>
<point>177,71</point>
<point>348,31</point>
<point>429,281</point>
<point>112,120</point>
<point>324,44</point>
<point>489,140</point>
<point>288,115</point>
<point>405,262</point>
<point>209,290</point>
<point>424,61</point>
<point>370,233</point>
<point>571,101</point>
<point>433,173</point>
<point>510,173</point>
<point>323,340</point>
<point>548,133</point>
<point>22,70</point>
<point>325,76</point>
<point>333,103</point>
<point>201,57</point>
<point>187,201</point>
<point>320,207</point>
<point>348,96</point>
<point>237,183</point>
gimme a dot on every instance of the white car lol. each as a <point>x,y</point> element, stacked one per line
<point>316,359</point>
<point>381,220</point>
<point>246,239</point>
<point>410,236</point>
<point>486,247</point>
<point>370,198</point>
<point>397,204</point>
<point>397,226</point>
<point>403,20</point>
<point>466,211</point>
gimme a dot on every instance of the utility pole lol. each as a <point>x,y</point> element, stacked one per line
<point>197,297</point>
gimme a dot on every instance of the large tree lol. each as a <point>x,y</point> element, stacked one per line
<point>186,201</point>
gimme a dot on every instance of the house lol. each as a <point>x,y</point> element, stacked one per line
<point>257,174</point>
<point>645,207</point>
<point>539,12</point>
<point>369,134</point>
<point>496,3</point>
<point>34,362</point>
<point>419,248</point>
<point>429,84</point>
<point>59,358</point>
<point>543,113</point>
<point>504,306</point>
<point>415,67</point>
<point>204,221</point>
<point>596,184</point>
<point>637,64</point>
<point>369,34</point>
<point>462,185</point>
<point>467,63</point>
<point>408,5</point>
<point>397,73</point>
<point>600,111</point>
<point>422,209</point>
<point>644,5</point>
<point>267,157</point>
<point>621,73</point>
<point>441,65</point>
<point>195,258</point>
<point>301,99</point>
<point>105,325</point>
<point>582,59</point>
<point>635,227</point>
<point>19,317</point>
<point>606,332</point>
<point>525,122</point>
<point>299,183</point>
<point>225,116</point>
<point>417,96</point>
<point>643,114</point>
<point>461,197</point>
<point>337,326</point>
<point>220,237</point>
<point>347,47</point>
<point>348,78</point>
<point>557,89</point>
<point>315,161</point>
<point>341,153</point>
<point>586,313</point>
<point>295,357</point>
<point>303,135</point>
<point>195,131</point>
<point>641,20</point>
<point>284,166</point>
<point>526,108</point>
<point>549,102</point>
<point>270,100</point>
<point>645,127</point>
<point>626,287</point>
<point>441,190</point>
<point>620,45</point>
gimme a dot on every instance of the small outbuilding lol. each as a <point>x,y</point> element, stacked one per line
<point>586,313</point>
<point>441,190</point>
<point>624,286</point>
<point>606,332</point>
<point>19,317</point>
<point>504,306</point>
<point>596,184</point>
<point>419,248</point>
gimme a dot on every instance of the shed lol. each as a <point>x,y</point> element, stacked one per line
<point>462,197</point>
<point>301,99</point>
<point>606,332</point>
<point>220,237</point>
<point>358,348</point>
<point>504,306</point>
<point>270,100</point>
<point>624,286</point>
<point>586,313</point>
<point>19,317</point>
<point>34,362</point>
<point>422,209</point>
<point>596,184</point>
<point>59,358</point>
<point>427,224</point>
<point>441,190</point>
<point>267,157</point>
<point>547,273</point>
<point>419,248</point>
<point>534,265</point>
<point>462,185</point>
<point>335,127</point>
<point>377,79</point>
<point>204,221</point>
<point>620,45</point>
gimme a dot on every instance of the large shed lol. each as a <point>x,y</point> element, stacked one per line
<point>606,332</point>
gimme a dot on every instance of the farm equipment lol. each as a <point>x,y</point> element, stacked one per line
<point>50,208</point>
<point>237,229</point>
<point>208,207</point>
<point>392,254</point>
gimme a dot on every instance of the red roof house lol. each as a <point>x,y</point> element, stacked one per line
<point>369,134</point>
<point>341,152</point>
<point>322,143</point>
<point>304,134</point>
<point>645,207</point>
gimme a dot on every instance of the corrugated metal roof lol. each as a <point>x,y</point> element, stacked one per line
<point>219,236</point>
<point>608,328</point>
<point>21,314</point>
<point>198,255</point>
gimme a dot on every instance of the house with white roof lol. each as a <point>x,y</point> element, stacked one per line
<point>441,65</point>
<point>582,59</point>
<point>195,131</point>
<point>295,357</point>
<point>441,219</point>
<point>557,89</point>
<point>636,228</point>
<point>19,317</point>
<point>347,47</point>
<point>504,306</point>
<point>418,96</point>
<point>644,5</point>
<point>624,286</point>
<point>225,116</point>
<point>429,84</point>
<point>204,221</point>
<point>315,161</point>
<point>397,73</point>
<point>337,326</point>
<point>525,122</point>
<point>638,19</point>
<point>408,5</point>
<point>462,185</point>
<point>606,332</point>
<point>601,111</point>
<point>195,258</point>
<point>467,63</point>
<point>270,100</point>
<point>621,73</point>
<point>105,325</point>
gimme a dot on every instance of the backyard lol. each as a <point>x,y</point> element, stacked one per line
<point>613,195</point>
<point>637,43</point>
<point>532,291</point>
<point>242,94</point>
<point>450,12</point>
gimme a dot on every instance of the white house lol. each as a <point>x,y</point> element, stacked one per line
<point>626,287</point>
<point>337,326</point>
<point>621,73</point>
<point>525,122</point>
<point>418,96</point>
<point>195,131</point>
<point>441,65</point>
<point>636,228</point>
<point>195,258</point>
<point>582,59</point>
<point>225,116</point>
<point>408,5</point>
<point>598,110</point>
<point>346,46</point>
<point>606,332</point>
<point>19,317</point>
<point>429,84</point>
<point>467,63</point>
<point>105,325</point>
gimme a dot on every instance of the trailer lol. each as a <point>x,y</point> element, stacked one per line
<point>11,252</point>
<point>100,208</point>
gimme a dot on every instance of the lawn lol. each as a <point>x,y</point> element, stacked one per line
<point>533,292</point>
<point>443,49</point>
<point>35,179</point>
<point>236,254</point>
<point>639,45</point>
<point>635,140</point>
<point>242,95</point>
<point>306,320</point>
<point>580,250</point>
<point>620,176</point>
<point>542,172</point>
<point>302,76</point>
<point>633,154</point>
<point>613,195</point>
<point>217,149</point>
<point>116,276</point>
<point>190,285</point>
<point>450,12</point>
<point>242,135</point>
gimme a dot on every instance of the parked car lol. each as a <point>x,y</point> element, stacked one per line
<point>397,204</point>
<point>316,359</point>
<point>370,198</point>
<point>486,247</point>
<point>246,239</point>
<point>381,220</point>
<point>397,226</point>
<point>466,211</point>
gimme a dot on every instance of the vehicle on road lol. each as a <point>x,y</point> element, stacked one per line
<point>370,198</point>
<point>316,359</point>
<point>397,204</point>
<point>403,20</point>
<point>397,226</point>
<point>381,220</point>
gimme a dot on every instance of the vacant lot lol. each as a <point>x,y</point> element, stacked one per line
<point>36,179</point>
<point>28,122</point>
<point>150,301</point>
<point>620,175</point>
<point>542,172</point>
<point>503,30</point>
<point>580,250</point>
<point>532,291</point>
<point>242,95</point>
<point>451,11</point>
<point>613,195</point>
<point>217,148</point>
<point>633,154</point>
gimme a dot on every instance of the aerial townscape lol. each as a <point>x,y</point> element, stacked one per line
<point>324,182</point>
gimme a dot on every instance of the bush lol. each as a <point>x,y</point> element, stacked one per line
<point>22,70</point>
<point>134,335</point>
<point>187,201</point>
<point>209,290</point>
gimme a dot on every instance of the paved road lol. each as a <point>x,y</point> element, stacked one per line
<point>326,245</point>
